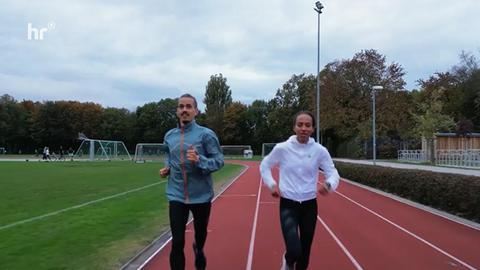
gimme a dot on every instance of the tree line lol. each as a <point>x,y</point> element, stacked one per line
<point>445,102</point>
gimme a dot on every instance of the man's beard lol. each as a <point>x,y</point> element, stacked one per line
<point>184,122</point>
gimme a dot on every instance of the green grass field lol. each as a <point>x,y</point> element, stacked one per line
<point>90,215</point>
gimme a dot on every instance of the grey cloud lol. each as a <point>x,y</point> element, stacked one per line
<point>128,53</point>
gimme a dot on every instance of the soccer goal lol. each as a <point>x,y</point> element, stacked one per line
<point>267,148</point>
<point>150,152</point>
<point>3,151</point>
<point>237,151</point>
<point>93,149</point>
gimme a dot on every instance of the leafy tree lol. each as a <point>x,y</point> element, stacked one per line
<point>449,86</point>
<point>395,120</point>
<point>459,90</point>
<point>59,122</point>
<point>155,119</point>
<point>115,124</point>
<point>32,113</point>
<point>12,124</point>
<point>346,97</point>
<point>257,115</point>
<point>470,108</point>
<point>464,127</point>
<point>218,97</point>
<point>433,121</point>
<point>298,93</point>
<point>235,125</point>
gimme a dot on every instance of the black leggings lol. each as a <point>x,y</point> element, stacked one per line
<point>178,221</point>
<point>298,221</point>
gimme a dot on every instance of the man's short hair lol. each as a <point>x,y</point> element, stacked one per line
<point>192,97</point>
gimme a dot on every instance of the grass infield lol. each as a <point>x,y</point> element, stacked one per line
<point>81,215</point>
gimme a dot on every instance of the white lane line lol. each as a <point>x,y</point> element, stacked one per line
<point>76,206</point>
<point>345,250</point>
<point>410,233</point>
<point>170,238</point>
<point>238,195</point>
<point>254,229</point>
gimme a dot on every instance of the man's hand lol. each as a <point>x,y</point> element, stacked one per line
<point>164,172</point>
<point>192,154</point>
<point>325,189</point>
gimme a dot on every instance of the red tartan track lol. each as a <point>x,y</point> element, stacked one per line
<point>356,229</point>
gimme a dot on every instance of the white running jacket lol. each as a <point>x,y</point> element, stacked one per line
<point>299,164</point>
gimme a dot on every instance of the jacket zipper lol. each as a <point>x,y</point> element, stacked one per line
<point>182,161</point>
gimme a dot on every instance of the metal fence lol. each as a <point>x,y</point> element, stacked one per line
<point>417,156</point>
<point>459,158</point>
<point>456,158</point>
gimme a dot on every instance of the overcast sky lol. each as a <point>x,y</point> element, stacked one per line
<point>128,53</point>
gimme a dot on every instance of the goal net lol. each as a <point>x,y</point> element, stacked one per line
<point>237,151</point>
<point>267,148</point>
<point>150,152</point>
<point>93,149</point>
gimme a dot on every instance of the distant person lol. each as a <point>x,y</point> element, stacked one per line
<point>47,154</point>
<point>70,153</point>
<point>44,153</point>
<point>299,159</point>
<point>61,153</point>
<point>193,154</point>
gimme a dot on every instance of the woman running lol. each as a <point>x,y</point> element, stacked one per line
<point>299,159</point>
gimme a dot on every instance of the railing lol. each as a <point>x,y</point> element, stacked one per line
<point>455,158</point>
<point>417,156</point>
<point>458,158</point>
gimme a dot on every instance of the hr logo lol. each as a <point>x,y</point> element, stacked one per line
<point>38,33</point>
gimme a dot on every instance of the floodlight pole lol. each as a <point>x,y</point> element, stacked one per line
<point>374,146</point>
<point>318,8</point>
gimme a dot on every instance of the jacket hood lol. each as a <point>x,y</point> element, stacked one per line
<point>293,139</point>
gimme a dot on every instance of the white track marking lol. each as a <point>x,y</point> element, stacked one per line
<point>254,229</point>
<point>409,232</point>
<point>345,250</point>
<point>238,195</point>
<point>76,206</point>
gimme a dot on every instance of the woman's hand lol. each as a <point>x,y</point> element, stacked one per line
<point>325,189</point>
<point>275,191</point>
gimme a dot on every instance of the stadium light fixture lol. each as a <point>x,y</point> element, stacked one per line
<point>318,8</point>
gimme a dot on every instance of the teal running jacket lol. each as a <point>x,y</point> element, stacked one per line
<point>190,182</point>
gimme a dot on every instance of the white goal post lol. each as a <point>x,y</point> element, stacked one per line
<point>150,152</point>
<point>93,149</point>
<point>267,148</point>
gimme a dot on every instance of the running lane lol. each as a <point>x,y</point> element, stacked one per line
<point>404,236</point>
<point>269,245</point>
<point>356,229</point>
<point>229,229</point>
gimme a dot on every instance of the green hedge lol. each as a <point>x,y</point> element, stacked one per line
<point>453,193</point>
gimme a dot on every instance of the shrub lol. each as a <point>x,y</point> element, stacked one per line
<point>453,193</point>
